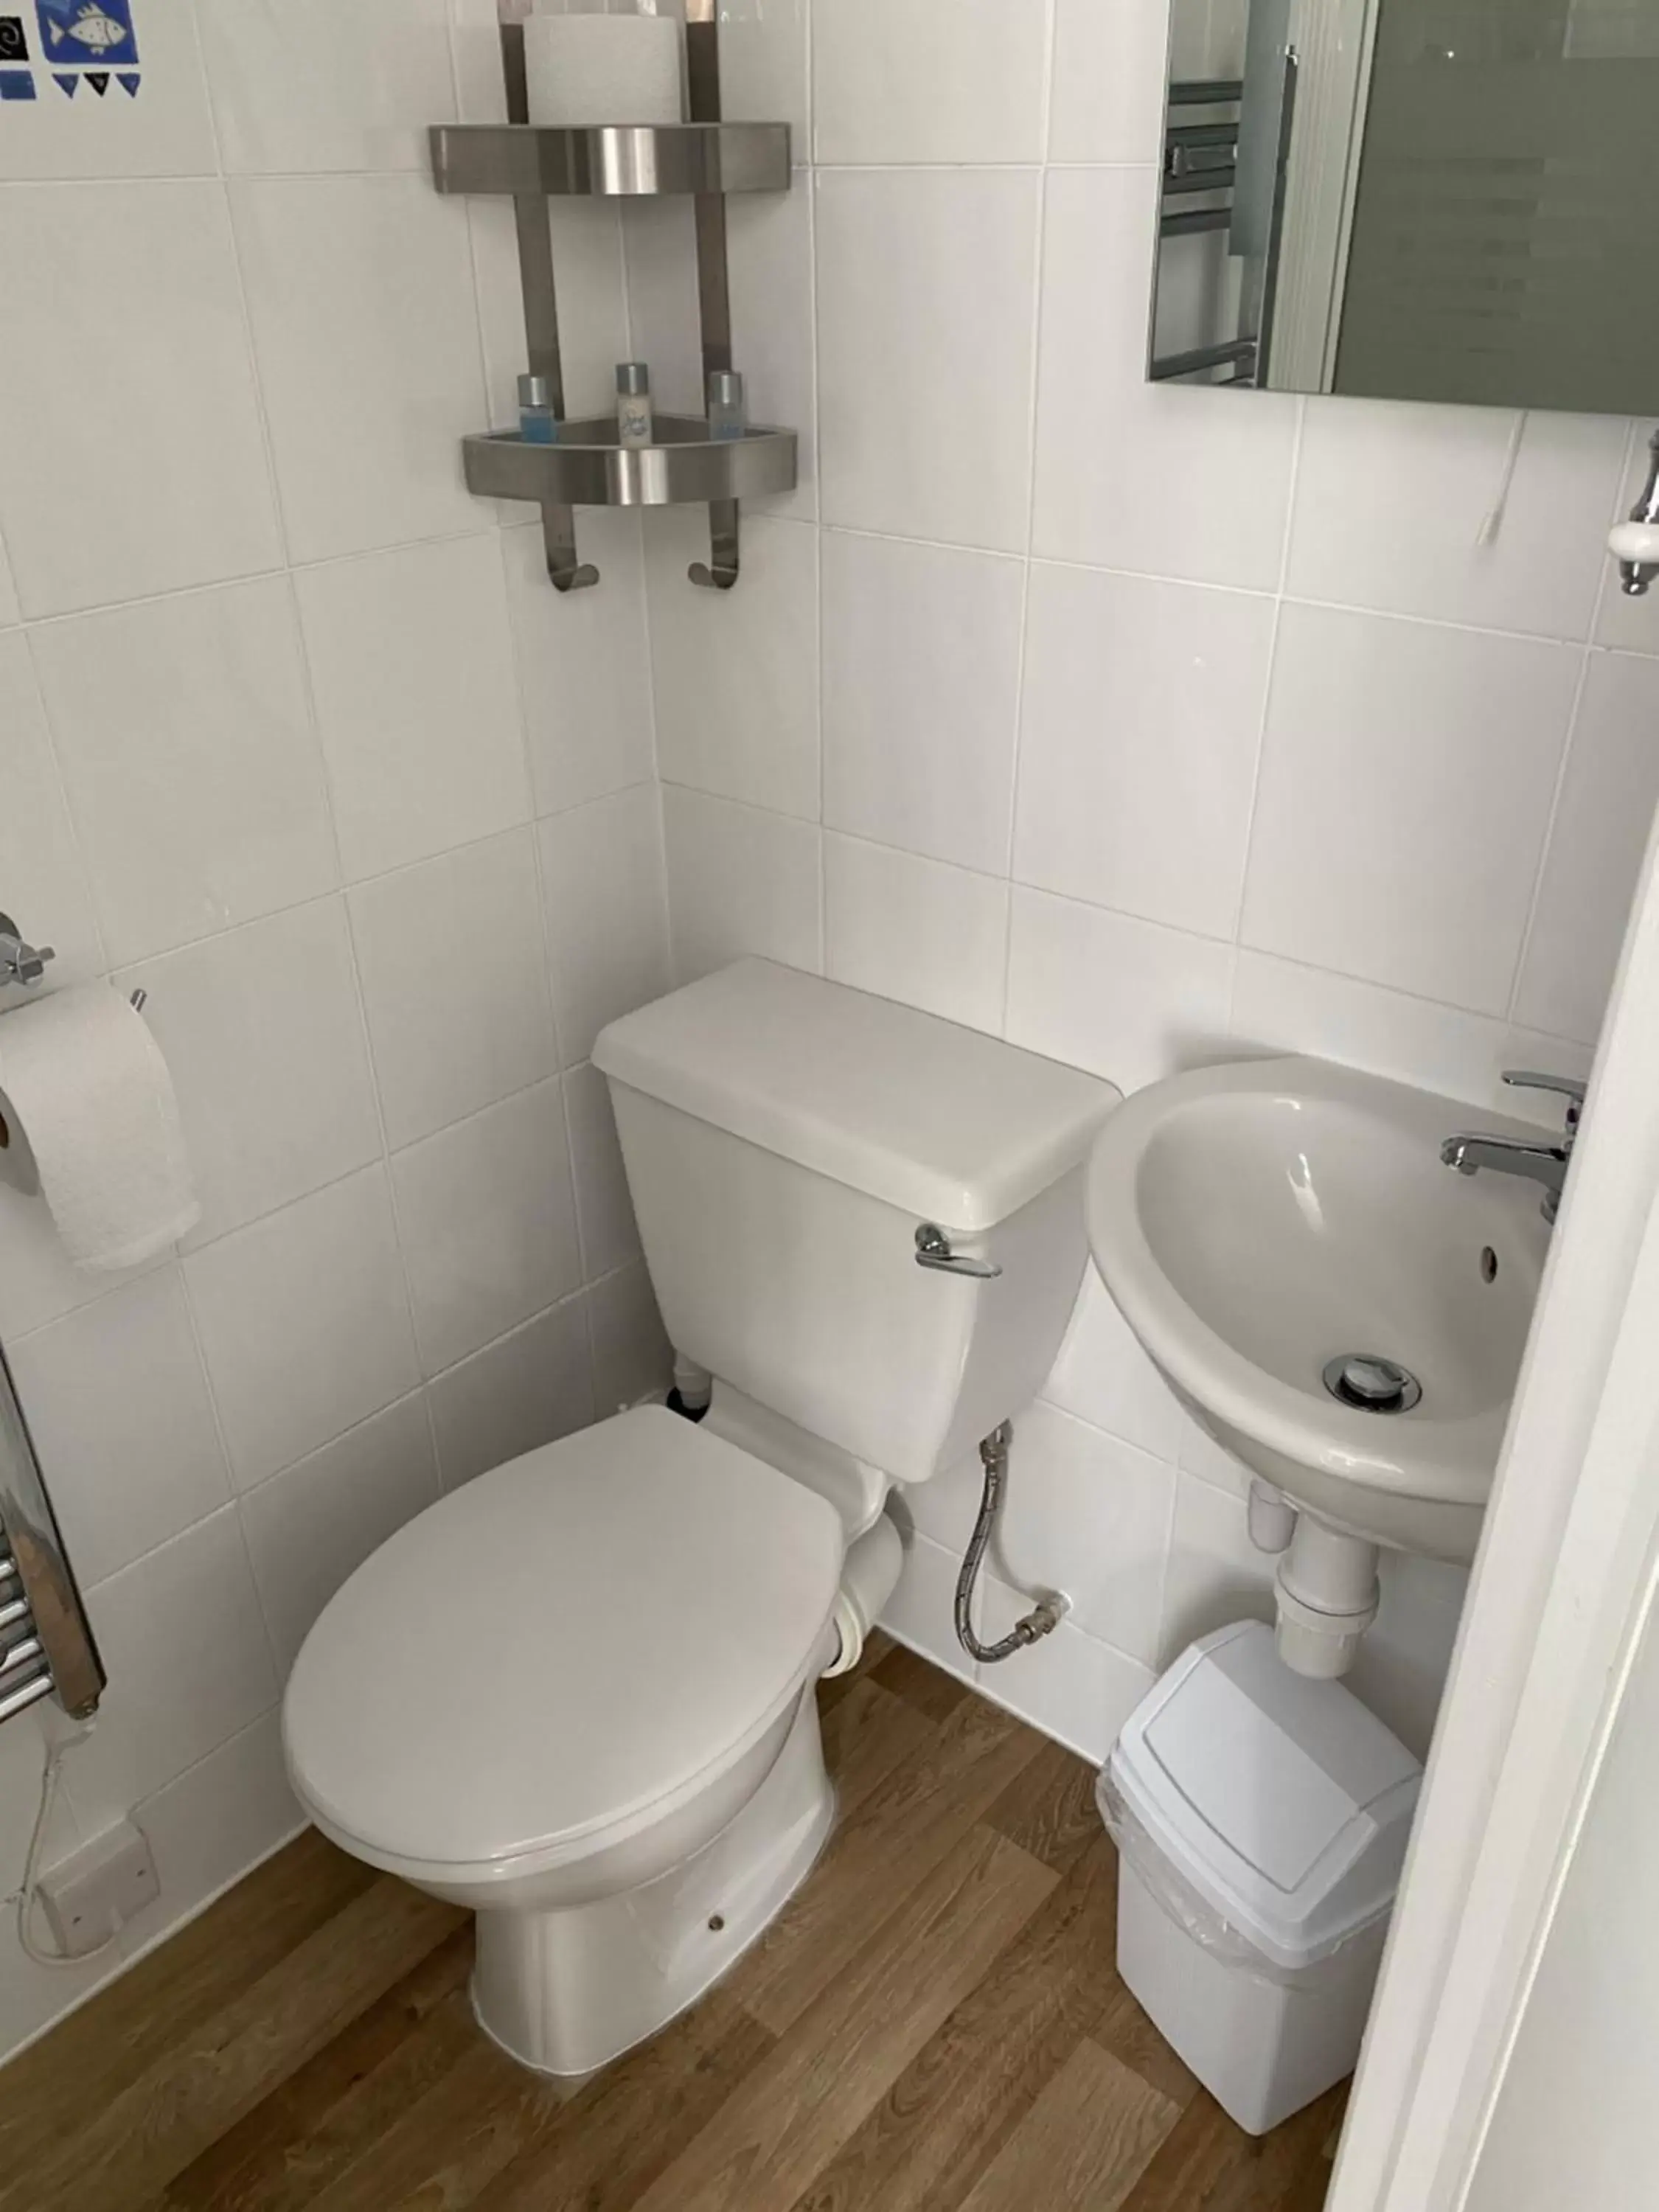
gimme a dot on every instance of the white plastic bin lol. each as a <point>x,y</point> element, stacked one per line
<point>1262,1821</point>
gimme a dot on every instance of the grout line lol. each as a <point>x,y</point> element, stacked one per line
<point>1278,622</point>
<point>1569,749</point>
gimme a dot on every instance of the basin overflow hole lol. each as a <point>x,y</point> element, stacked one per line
<point>1488,1264</point>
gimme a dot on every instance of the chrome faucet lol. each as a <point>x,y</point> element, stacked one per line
<point>1543,1164</point>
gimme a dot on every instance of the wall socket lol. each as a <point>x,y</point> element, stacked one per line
<point>87,1898</point>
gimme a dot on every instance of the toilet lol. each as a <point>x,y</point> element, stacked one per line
<point>576,1695</point>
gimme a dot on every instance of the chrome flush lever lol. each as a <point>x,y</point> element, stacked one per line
<point>933,1250</point>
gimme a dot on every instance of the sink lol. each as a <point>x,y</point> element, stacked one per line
<point>1263,1224</point>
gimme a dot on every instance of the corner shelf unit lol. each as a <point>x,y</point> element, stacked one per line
<point>705,159</point>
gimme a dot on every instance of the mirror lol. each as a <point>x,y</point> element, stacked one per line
<point>1414,199</point>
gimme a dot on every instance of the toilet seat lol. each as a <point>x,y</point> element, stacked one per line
<point>563,1653</point>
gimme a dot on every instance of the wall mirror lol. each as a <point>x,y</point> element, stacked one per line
<point>1414,199</point>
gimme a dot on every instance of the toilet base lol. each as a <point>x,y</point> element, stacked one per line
<point>567,1991</point>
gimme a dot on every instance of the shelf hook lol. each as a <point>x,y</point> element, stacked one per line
<point>566,573</point>
<point>722,571</point>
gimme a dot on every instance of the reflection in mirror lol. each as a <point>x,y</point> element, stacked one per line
<point>1414,199</point>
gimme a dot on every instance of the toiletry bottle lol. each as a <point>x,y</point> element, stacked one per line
<point>728,413</point>
<point>633,423</point>
<point>538,424</point>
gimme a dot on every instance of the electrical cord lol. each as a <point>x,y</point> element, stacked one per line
<point>50,1774</point>
<point>1046,1615</point>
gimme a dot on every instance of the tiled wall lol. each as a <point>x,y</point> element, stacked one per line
<point>1143,727</point>
<point>295,734</point>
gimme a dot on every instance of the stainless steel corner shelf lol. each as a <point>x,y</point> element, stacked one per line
<point>613,161</point>
<point>589,468</point>
<point>704,159</point>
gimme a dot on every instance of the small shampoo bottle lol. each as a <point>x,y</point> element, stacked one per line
<point>538,424</point>
<point>635,425</point>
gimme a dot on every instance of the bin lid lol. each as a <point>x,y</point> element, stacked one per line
<point>1283,1801</point>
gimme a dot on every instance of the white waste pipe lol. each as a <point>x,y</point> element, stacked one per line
<point>868,1578</point>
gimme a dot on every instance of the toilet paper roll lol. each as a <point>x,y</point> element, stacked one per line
<point>82,1082</point>
<point>584,70</point>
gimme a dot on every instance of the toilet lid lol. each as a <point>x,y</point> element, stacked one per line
<point>562,1647</point>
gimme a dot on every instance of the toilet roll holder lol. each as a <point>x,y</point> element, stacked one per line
<point>26,964</point>
<point>20,961</point>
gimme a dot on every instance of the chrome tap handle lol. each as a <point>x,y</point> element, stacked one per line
<point>933,1250</point>
<point>1563,1086</point>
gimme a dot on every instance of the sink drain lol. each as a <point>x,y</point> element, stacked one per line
<point>1372,1384</point>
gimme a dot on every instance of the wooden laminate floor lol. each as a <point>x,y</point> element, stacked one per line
<point>935,2023</point>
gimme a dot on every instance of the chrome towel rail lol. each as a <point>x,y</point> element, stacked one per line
<point>46,1639</point>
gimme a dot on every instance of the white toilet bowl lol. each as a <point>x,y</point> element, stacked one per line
<point>577,1698</point>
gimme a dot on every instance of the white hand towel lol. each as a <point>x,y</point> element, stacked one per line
<point>83,1082</point>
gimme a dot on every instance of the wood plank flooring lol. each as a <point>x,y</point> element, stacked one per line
<point>935,2025</point>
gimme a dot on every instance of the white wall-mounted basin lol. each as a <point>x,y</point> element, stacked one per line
<point>1257,1222</point>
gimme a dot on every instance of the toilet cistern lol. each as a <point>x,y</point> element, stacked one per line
<point>1519,1155</point>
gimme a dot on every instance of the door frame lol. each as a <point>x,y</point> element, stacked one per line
<point>1557,1603</point>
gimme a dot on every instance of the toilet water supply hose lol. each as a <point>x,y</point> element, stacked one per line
<point>1049,1610</point>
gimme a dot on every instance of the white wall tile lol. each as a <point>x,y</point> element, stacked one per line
<point>40,864</point>
<point>411,658</point>
<point>1199,1453</point>
<point>919,1613</point>
<point>1125,999</point>
<point>1216,1574</point>
<point>1140,730</point>
<point>604,1211</point>
<point>220,1818</point>
<point>454,983</point>
<point>926,279</point>
<point>1279,1007</point>
<point>607,923</point>
<point>313,1526</point>
<point>1075,1689</point>
<point>1109,66</point>
<point>768,244</point>
<point>739,880</point>
<point>1602,822</point>
<point>37,1281</point>
<point>314,1293</point>
<point>312,85</point>
<point>104,495</point>
<point>921,662</point>
<point>1103,1376</point>
<point>366,332</point>
<point>1406,778</point>
<point>487,1220</point>
<point>763,48</point>
<point>584,670</point>
<point>913,929</point>
<point>1390,501</point>
<point>1088,1515</point>
<point>1402,1663</point>
<point>593,303</point>
<point>527,1390</point>
<point>185,1646</point>
<point>632,1357</point>
<point>659,245</point>
<point>261,1032</point>
<point>945,1507</point>
<point>737,672</point>
<point>23,1753</point>
<point>118,1406</point>
<point>164,131</point>
<point>1184,483</point>
<point>929,79</point>
<point>185,740</point>
<point>10,612</point>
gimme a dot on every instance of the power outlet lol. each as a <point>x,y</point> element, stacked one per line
<point>87,1898</point>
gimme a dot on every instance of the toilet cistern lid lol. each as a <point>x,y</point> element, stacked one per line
<point>942,1122</point>
<point>561,1646</point>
